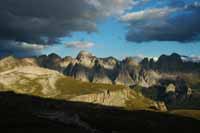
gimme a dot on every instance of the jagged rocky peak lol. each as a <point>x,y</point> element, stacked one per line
<point>130,61</point>
<point>148,78</point>
<point>170,63</point>
<point>67,58</point>
<point>86,59</point>
<point>54,57</point>
<point>101,78</point>
<point>174,58</point>
<point>84,54</point>
<point>124,78</point>
<point>100,75</point>
<point>52,61</point>
<point>66,61</point>
<point>108,63</point>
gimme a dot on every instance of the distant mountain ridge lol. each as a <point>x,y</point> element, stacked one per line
<point>129,71</point>
<point>171,63</point>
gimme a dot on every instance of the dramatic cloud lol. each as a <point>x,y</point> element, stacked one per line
<point>148,14</point>
<point>46,21</point>
<point>191,58</point>
<point>79,45</point>
<point>20,48</point>
<point>166,20</point>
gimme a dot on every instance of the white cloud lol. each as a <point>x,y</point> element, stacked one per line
<point>79,44</point>
<point>29,46</point>
<point>111,7</point>
<point>148,14</point>
<point>163,21</point>
<point>192,58</point>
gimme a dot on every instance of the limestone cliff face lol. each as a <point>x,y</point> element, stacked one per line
<point>109,98</point>
<point>108,63</point>
<point>100,75</point>
<point>148,78</point>
<point>86,59</point>
<point>124,78</point>
<point>121,98</point>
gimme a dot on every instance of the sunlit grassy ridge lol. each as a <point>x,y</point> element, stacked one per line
<point>68,85</point>
<point>188,113</point>
<point>73,87</point>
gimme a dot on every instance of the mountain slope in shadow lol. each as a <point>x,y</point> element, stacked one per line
<point>25,113</point>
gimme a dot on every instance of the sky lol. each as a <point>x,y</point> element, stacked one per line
<point>118,28</point>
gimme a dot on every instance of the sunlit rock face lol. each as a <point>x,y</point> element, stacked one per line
<point>100,75</point>
<point>11,62</point>
<point>108,63</point>
<point>148,78</point>
<point>86,59</point>
<point>171,88</point>
<point>124,78</point>
<point>66,61</point>
<point>109,98</point>
<point>130,61</point>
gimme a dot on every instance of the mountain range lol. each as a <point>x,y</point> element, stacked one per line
<point>129,71</point>
<point>91,79</point>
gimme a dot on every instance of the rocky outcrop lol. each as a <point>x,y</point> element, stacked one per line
<point>51,61</point>
<point>171,88</point>
<point>11,62</point>
<point>109,63</point>
<point>161,106</point>
<point>66,61</point>
<point>107,97</point>
<point>124,78</point>
<point>86,59</point>
<point>100,76</point>
<point>174,91</point>
<point>148,78</point>
<point>80,72</point>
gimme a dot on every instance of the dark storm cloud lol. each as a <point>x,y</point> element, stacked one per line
<point>46,21</point>
<point>175,21</point>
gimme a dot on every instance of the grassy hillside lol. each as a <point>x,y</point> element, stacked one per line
<point>187,113</point>
<point>68,85</point>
